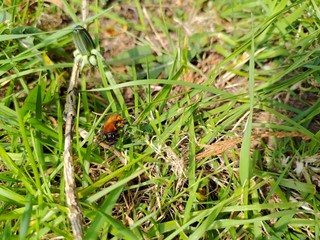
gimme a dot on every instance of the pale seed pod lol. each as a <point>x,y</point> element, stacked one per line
<point>93,60</point>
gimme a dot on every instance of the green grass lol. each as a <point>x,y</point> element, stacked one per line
<point>184,81</point>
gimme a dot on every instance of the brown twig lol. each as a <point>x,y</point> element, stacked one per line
<point>75,213</point>
<point>85,10</point>
<point>218,148</point>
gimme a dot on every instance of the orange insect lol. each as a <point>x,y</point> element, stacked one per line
<point>110,128</point>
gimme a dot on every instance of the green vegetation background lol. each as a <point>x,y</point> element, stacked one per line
<point>221,102</point>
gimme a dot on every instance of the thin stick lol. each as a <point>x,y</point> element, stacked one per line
<point>85,10</point>
<point>75,213</point>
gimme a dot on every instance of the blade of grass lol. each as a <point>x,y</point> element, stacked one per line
<point>26,217</point>
<point>245,165</point>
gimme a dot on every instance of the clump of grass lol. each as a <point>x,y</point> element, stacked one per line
<point>222,112</point>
